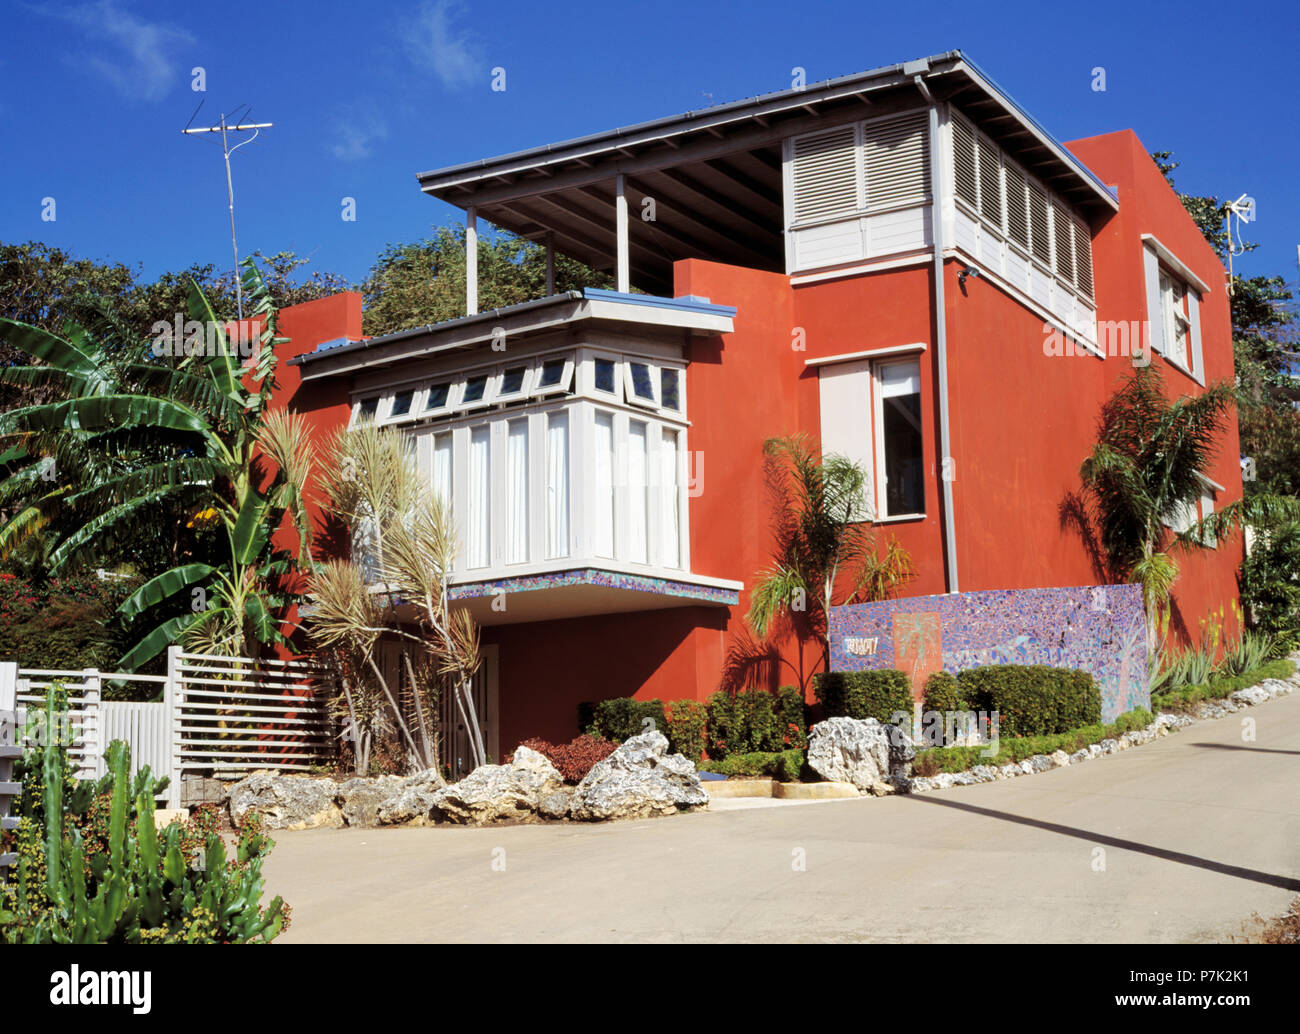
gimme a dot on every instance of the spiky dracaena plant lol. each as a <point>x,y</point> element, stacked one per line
<point>824,542</point>
<point>1149,465</point>
<point>395,586</point>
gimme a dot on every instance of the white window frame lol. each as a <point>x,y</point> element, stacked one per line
<point>448,406</point>
<point>600,393</point>
<point>540,390</point>
<point>489,390</point>
<point>629,391</point>
<point>525,386</point>
<point>878,433</point>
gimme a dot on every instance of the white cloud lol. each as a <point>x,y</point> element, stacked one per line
<point>138,57</point>
<point>356,129</point>
<point>436,43</point>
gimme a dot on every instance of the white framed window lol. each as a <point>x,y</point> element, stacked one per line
<point>557,484</point>
<point>638,492</point>
<point>476,390</point>
<point>672,476</point>
<point>900,439</point>
<point>478,530</point>
<point>553,375</point>
<point>605,377</point>
<point>513,382</point>
<point>437,398</point>
<point>517,491</point>
<point>1207,509</point>
<point>1175,326</point>
<point>640,383</point>
<point>603,491</point>
<point>670,388</point>
<point>366,410</point>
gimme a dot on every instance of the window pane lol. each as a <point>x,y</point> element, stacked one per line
<point>479,516</point>
<point>402,403</point>
<point>512,381</point>
<point>517,482</point>
<point>557,485</point>
<point>641,385</point>
<point>474,389</point>
<point>670,495</point>
<point>900,432</point>
<point>670,391</point>
<point>603,521</point>
<point>605,375</point>
<point>442,468</point>
<point>368,409</point>
<point>437,396</point>
<point>636,492</point>
<point>552,373</point>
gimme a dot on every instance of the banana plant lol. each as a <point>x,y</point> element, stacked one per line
<point>138,437</point>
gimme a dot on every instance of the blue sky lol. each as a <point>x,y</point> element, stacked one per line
<point>363,95</point>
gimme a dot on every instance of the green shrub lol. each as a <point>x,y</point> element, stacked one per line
<point>941,693</point>
<point>1032,699</point>
<point>959,759</point>
<point>785,765</point>
<point>864,694</point>
<point>621,718</point>
<point>793,717</point>
<point>686,728</point>
<point>1217,689</point>
<point>1246,654</point>
<point>93,868</point>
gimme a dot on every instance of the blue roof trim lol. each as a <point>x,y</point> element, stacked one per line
<point>338,342</point>
<point>689,303</point>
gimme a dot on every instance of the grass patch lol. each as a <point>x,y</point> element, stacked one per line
<point>1013,750</point>
<point>1222,687</point>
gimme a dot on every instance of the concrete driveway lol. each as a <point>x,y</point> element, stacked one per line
<point>1179,840</point>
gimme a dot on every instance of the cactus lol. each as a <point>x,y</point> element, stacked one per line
<point>144,888</point>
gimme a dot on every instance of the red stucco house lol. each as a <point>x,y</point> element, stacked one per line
<point>902,263</point>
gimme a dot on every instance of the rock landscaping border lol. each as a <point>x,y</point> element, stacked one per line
<point>1164,724</point>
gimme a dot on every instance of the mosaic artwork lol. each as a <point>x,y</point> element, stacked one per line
<point>1097,628</point>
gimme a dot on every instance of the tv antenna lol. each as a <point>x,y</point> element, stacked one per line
<point>1244,209</point>
<point>224,128</point>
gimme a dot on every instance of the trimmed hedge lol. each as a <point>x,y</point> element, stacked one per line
<point>755,721</point>
<point>687,720</point>
<point>959,759</point>
<point>785,765</point>
<point>1032,699</point>
<point>621,718</point>
<point>864,694</point>
<point>942,693</point>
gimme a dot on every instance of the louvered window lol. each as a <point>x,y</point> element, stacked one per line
<point>1064,244</point>
<point>1042,245</point>
<point>1017,210</point>
<point>897,161</point>
<point>990,183</point>
<point>825,172</point>
<point>963,162</point>
<point>1083,257</point>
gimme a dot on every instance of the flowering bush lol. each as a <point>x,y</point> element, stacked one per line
<point>573,760</point>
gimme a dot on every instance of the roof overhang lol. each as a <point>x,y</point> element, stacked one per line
<point>571,309</point>
<point>714,176</point>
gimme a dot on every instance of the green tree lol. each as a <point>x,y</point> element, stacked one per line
<point>134,437</point>
<point>825,546</point>
<point>1145,470</point>
<point>415,285</point>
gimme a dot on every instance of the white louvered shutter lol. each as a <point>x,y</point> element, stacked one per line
<point>826,174</point>
<point>1064,243</point>
<point>1017,205</point>
<point>897,161</point>
<point>963,162</point>
<point>1038,222</point>
<point>990,165</point>
<point>1083,257</point>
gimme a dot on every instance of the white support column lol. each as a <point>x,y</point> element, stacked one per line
<point>92,726</point>
<point>622,280</point>
<point>173,698</point>
<point>9,750</point>
<point>471,261</point>
<point>550,263</point>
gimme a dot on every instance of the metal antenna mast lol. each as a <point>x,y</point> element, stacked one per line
<point>227,150</point>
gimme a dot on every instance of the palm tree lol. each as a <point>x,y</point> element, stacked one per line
<point>824,543</point>
<point>1150,466</point>
<point>137,439</point>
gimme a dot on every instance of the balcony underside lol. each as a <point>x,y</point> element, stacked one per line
<point>582,592</point>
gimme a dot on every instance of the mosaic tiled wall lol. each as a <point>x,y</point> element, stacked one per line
<point>1101,629</point>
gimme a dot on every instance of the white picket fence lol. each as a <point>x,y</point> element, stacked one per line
<point>217,714</point>
<point>9,750</point>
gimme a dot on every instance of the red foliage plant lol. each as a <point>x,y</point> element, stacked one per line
<point>573,760</point>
